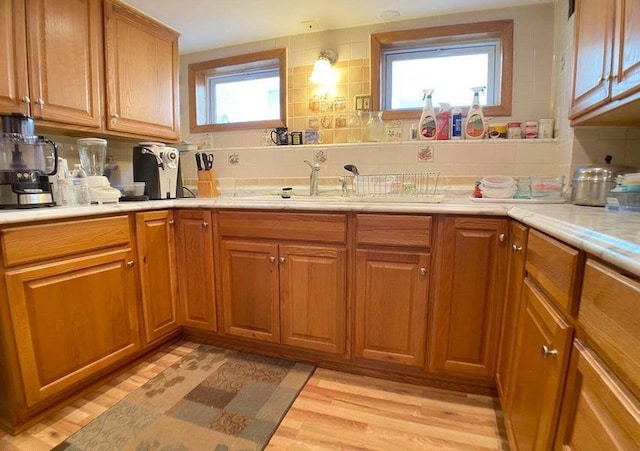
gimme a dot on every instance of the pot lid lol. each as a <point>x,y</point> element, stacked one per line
<point>604,173</point>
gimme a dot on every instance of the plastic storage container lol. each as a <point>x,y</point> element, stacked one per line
<point>498,187</point>
<point>547,187</point>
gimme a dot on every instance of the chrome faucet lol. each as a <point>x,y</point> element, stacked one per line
<point>313,178</point>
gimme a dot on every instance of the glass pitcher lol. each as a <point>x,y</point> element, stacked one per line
<point>374,131</point>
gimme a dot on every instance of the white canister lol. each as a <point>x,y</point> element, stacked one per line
<point>545,129</point>
<point>530,130</point>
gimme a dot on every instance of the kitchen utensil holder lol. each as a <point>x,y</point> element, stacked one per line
<point>207,184</point>
<point>415,184</point>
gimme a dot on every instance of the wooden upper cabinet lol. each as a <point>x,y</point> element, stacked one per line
<point>468,296</point>
<point>14,86</point>
<point>196,280</point>
<point>60,42</point>
<point>626,54</point>
<point>141,71</point>
<point>155,241</point>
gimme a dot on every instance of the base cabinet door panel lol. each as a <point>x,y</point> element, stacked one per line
<point>391,306</point>
<point>313,297</point>
<point>540,363</point>
<point>72,319</point>
<point>250,290</point>
<point>196,282</point>
<point>156,253</point>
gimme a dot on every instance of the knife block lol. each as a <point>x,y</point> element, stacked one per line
<point>207,184</point>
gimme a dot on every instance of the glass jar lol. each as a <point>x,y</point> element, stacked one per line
<point>355,128</point>
<point>375,127</point>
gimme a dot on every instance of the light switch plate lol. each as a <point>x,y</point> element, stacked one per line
<point>363,103</point>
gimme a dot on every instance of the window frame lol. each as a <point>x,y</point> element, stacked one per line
<point>501,29</point>
<point>198,73</point>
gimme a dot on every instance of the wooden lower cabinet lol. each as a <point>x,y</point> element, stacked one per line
<point>511,309</point>
<point>538,374</point>
<point>196,279</point>
<point>158,281</point>
<point>598,412</point>
<point>71,319</point>
<point>468,296</point>
<point>392,289</point>
<point>285,293</point>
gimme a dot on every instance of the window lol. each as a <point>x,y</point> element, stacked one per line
<point>451,60</point>
<point>241,92</point>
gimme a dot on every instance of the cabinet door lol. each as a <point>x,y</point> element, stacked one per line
<point>313,297</point>
<point>72,319</point>
<point>14,88</point>
<point>626,54</point>
<point>511,309</point>
<point>155,240</point>
<point>65,52</point>
<point>540,364</point>
<point>593,46</point>
<point>141,67</point>
<point>598,412</point>
<point>469,293</point>
<point>391,306</point>
<point>250,288</point>
<point>196,283</point>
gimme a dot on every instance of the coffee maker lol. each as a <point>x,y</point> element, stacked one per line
<point>26,162</point>
<point>159,167</point>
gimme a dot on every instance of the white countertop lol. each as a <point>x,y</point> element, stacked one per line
<point>612,236</point>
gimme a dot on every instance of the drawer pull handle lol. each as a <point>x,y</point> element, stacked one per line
<point>548,352</point>
<point>40,102</point>
<point>172,221</point>
<point>131,264</point>
<point>502,237</point>
<point>25,99</point>
<point>423,271</point>
<point>516,248</point>
<point>282,260</point>
<point>205,224</point>
<point>115,116</point>
<point>272,259</point>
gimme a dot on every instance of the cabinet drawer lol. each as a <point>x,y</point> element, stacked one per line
<point>598,412</point>
<point>610,316</point>
<point>394,230</point>
<point>41,242</point>
<point>330,228</point>
<point>556,269</point>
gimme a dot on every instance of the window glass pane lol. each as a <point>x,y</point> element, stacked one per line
<point>233,99</point>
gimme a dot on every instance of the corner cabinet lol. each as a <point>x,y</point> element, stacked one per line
<point>68,310</point>
<point>53,75</point>
<point>606,84</point>
<point>155,237</point>
<point>141,74</point>
<point>284,278</point>
<point>468,297</point>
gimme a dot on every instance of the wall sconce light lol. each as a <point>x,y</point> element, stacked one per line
<point>322,73</point>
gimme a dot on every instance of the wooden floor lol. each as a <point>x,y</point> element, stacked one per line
<point>334,411</point>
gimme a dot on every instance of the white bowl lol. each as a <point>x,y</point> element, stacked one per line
<point>498,181</point>
<point>498,193</point>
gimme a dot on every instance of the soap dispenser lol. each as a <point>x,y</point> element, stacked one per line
<point>475,125</point>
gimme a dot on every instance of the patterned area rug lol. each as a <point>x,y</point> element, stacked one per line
<point>212,399</point>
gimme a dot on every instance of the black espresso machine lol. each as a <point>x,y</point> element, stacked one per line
<point>26,162</point>
<point>159,167</point>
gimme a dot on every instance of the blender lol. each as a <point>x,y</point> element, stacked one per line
<point>26,162</point>
<point>93,154</point>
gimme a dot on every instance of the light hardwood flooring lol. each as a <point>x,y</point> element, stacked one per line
<point>334,411</point>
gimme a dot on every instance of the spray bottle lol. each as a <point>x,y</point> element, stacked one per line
<point>427,126</point>
<point>444,124</point>
<point>475,126</point>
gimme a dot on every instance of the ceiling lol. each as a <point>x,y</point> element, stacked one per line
<point>206,24</point>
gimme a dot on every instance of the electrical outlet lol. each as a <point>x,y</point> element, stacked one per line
<point>363,103</point>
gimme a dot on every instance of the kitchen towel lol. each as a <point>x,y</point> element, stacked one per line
<point>212,398</point>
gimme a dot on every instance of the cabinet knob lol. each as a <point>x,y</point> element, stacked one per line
<point>25,99</point>
<point>282,259</point>
<point>516,248</point>
<point>131,264</point>
<point>40,102</point>
<point>423,271</point>
<point>548,352</point>
<point>115,116</point>
<point>172,221</point>
<point>502,237</point>
<point>272,259</point>
<point>205,224</point>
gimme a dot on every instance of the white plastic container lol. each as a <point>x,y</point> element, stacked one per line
<point>475,125</point>
<point>427,125</point>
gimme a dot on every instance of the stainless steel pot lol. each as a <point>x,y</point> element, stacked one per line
<point>591,184</point>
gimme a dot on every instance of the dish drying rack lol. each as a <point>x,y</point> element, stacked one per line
<point>416,186</point>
